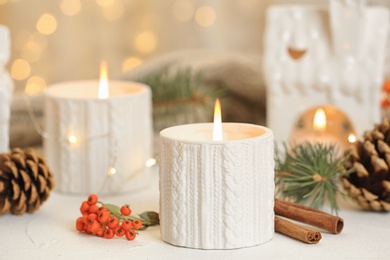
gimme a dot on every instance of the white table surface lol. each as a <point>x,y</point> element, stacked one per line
<point>50,233</point>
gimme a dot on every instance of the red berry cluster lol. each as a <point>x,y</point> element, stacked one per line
<point>98,220</point>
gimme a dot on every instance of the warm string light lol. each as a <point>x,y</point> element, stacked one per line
<point>352,138</point>
<point>72,139</point>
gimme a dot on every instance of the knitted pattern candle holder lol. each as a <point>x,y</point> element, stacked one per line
<point>216,195</point>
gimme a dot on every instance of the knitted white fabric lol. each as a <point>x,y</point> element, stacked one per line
<point>217,195</point>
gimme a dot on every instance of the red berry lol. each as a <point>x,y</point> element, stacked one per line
<point>93,226</point>
<point>92,217</point>
<point>137,224</point>
<point>84,207</point>
<point>85,219</point>
<point>120,232</point>
<point>93,208</point>
<point>113,222</point>
<point>125,210</point>
<point>92,199</point>
<point>80,224</point>
<point>103,216</point>
<point>127,224</point>
<point>131,235</point>
<point>100,232</point>
<point>108,233</point>
<point>101,209</point>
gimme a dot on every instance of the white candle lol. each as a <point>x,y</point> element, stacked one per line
<point>216,194</point>
<point>98,144</point>
<point>6,89</point>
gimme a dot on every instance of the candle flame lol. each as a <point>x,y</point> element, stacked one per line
<point>319,121</point>
<point>103,83</point>
<point>217,129</point>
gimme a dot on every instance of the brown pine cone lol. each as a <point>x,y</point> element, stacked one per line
<point>369,184</point>
<point>25,181</point>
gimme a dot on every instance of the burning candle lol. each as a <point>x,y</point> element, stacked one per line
<point>98,134</point>
<point>216,185</point>
<point>324,124</point>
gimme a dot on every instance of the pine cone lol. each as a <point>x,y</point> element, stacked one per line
<point>369,184</point>
<point>25,181</point>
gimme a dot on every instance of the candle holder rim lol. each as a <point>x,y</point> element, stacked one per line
<point>267,132</point>
<point>53,87</point>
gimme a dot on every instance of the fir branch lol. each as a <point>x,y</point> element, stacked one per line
<point>179,86</point>
<point>180,96</point>
<point>307,173</point>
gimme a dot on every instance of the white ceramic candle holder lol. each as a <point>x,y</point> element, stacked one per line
<point>98,145</point>
<point>216,194</point>
<point>6,89</point>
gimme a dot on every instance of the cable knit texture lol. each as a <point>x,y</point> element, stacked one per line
<point>217,196</point>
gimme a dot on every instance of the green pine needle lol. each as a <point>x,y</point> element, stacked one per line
<point>308,174</point>
<point>180,96</point>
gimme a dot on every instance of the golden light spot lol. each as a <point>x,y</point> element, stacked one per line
<point>70,7</point>
<point>130,63</point>
<point>21,37</point>
<point>104,3</point>
<point>33,47</point>
<point>72,139</point>
<point>113,11</point>
<point>2,2</point>
<point>111,171</point>
<point>205,16</point>
<point>20,69</point>
<point>47,24</point>
<point>352,138</point>
<point>150,162</point>
<point>183,10</point>
<point>35,85</point>
<point>146,42</point>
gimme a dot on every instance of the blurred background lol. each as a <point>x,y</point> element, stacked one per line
<point>63,40</point>
<point>60,40</point>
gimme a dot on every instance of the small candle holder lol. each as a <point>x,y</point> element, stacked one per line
<point>216,194</point>
<point>326,124</point>
<point>98,144</point>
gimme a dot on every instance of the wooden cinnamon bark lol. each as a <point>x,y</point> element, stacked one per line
<point>295,231</point>
<point>309,216</point>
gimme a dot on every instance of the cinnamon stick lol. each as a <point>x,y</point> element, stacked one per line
<point>328,222</point>
<point>295,231</point>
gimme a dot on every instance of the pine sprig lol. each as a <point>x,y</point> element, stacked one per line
<point>180,96</point>
<point>308,173</point>
<point>179,86</point>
